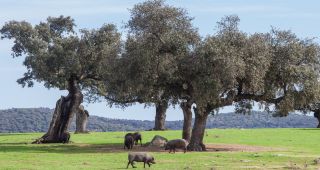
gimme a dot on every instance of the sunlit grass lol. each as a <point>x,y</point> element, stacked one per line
<point>293,148</point>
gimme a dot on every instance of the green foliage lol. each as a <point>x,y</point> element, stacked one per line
<point>243,107</point>
<point>55,53</point>
<point>271,68</point>
<point>160,36</point>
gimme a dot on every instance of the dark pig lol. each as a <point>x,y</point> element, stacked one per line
<point>137,137</point>
<point>176,143</point>
<point>128,141</point>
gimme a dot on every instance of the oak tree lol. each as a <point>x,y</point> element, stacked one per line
<point>159,37</point>
<point>59,57</point>
<point>275,68</point>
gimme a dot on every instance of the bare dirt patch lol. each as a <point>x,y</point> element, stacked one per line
<point>136,148</point>
<point>239,148</point>
<point>210,148</point>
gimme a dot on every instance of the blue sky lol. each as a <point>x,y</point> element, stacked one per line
<point>302,17</point>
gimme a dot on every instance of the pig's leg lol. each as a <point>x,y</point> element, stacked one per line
<point>132,164</point>
<point>128,164</point>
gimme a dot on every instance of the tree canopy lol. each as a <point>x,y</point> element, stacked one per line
<point>55,52</point>
<point>159,37</point>
<point>58,56</point>
<point>271,68</point>
<point>275,68</point>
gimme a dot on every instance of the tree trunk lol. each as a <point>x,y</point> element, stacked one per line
<point>159,122</point>
<point>196,142</point>
<point>66,107</point>
<point>187,120</point>
<point>317,115</point>
<point>81,120</point>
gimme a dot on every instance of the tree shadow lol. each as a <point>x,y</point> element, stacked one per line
<point>307,129</point>
<point>13,134</point>
<point>60,148</point>
<point>74,148</point>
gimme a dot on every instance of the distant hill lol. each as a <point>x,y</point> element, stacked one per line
<point>38,119</point>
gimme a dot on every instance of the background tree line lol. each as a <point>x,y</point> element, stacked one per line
<point>18,120</point>
<point>163,61</point>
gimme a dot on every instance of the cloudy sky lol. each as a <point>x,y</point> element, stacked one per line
<point>302,17</point>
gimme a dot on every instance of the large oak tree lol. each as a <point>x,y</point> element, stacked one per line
<point>57,56</point>
<point>273,68</point>
<point>160,36</point>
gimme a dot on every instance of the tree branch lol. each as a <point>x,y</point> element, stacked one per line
<point>124,101</point>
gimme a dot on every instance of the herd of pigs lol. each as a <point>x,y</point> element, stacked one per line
<point>131,139</point>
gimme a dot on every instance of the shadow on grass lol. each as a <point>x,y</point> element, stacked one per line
<point>307,129</point>
<point>13,134</point>
<point>76,148</point>
<point>61,148</point>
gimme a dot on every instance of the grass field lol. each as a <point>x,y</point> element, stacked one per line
<point>281,149</point>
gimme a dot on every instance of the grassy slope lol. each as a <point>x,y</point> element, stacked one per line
<point>300,147</point>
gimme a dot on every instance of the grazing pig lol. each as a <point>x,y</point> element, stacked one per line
<point>128,141</point>
<point>146,158</point>
<point>129,134</point>
<point>65,137</point>
<point>137,137</point>
<point>176,143</point>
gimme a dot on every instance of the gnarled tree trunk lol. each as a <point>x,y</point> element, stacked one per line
<point>187,120</point>
<point>317,115</point>
<point>196,142</point>
<point>159,122</point>
<point>81,120</point>
<point>66,107</point>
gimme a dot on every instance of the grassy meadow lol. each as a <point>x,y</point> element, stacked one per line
<point>268,149</point>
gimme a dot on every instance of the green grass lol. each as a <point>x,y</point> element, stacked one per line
<point>292,149</point>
